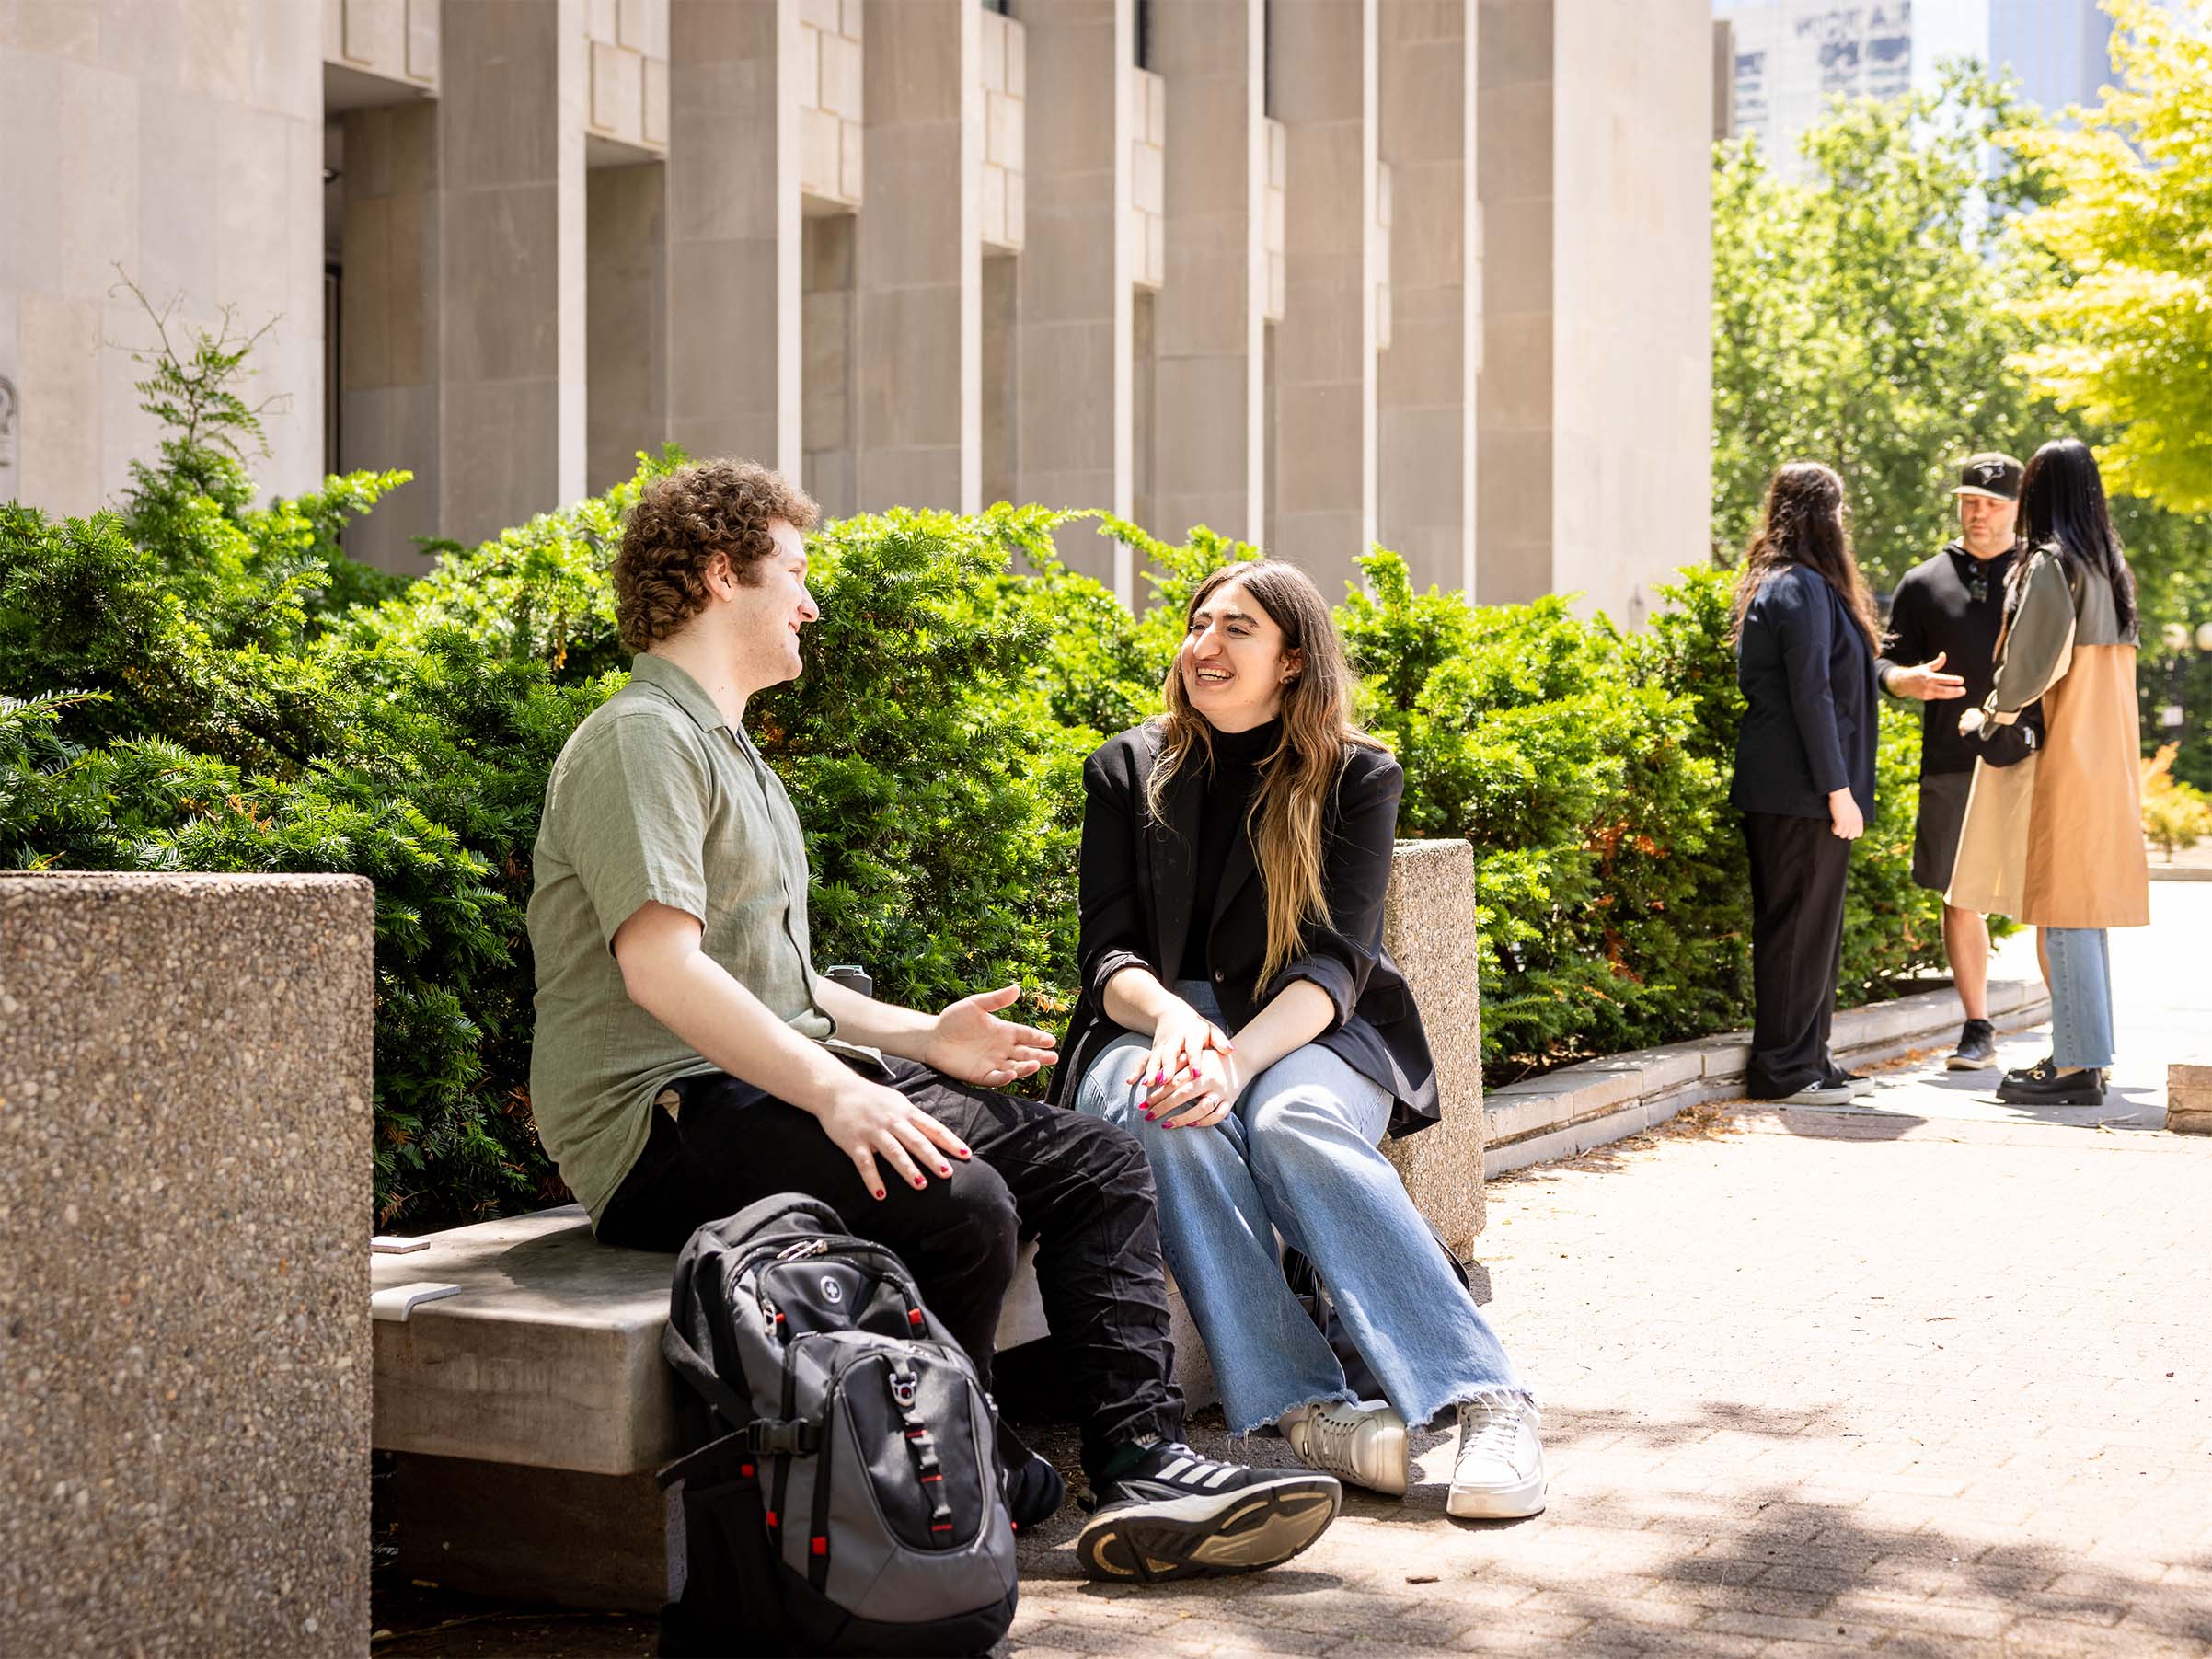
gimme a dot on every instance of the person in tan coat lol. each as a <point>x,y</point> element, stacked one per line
<point>2058,840</point>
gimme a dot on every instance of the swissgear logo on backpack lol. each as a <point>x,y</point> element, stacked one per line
<point>845,1496</point>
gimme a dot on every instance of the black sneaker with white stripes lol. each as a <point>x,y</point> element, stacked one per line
<point>1177,1514</point>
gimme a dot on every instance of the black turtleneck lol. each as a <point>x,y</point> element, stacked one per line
<point>1229,788</point>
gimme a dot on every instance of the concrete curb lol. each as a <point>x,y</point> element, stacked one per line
<point>1579,1107</point>
<point>2181,872</point>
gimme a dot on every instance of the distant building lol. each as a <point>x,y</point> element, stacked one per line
<point>2060,51</point>
<point>1792,56</point>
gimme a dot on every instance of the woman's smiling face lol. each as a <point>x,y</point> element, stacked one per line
<point>1233,662</point>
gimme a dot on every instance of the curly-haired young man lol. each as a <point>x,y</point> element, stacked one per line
<point>689,1061</point>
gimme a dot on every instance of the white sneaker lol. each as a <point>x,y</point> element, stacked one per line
<point>1366,1446</point>
<point>1498,1473</point>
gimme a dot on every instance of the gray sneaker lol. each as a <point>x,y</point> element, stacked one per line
<point>1976,1049</point>
<point>1821,1092</point>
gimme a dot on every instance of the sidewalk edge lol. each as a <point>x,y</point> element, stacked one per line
<point>1578,1107</point>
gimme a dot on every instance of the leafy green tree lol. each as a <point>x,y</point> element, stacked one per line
<point>2125,339</point>
<point>1859,317</point>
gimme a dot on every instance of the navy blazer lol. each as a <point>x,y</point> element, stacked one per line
<point>1810,716</point>
<point>1139,904</point>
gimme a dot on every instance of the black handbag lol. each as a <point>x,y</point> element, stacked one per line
<point>2008,744</point>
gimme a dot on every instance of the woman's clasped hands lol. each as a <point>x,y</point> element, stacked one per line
<point>1192,1074</point>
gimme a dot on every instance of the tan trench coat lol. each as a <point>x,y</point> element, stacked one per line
<point>2056,840</point>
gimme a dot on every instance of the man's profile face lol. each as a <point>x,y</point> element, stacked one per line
<point>769,612</point>
<point>1986,523</point>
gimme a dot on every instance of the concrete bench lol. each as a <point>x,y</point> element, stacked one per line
<point>530,1409</point>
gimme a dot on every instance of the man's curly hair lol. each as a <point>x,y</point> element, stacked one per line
<point>680,522</point>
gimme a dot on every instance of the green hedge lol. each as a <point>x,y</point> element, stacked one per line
<point>199,684</point>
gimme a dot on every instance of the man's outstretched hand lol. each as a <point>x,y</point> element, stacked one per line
<point>1926,682</point>
<point>971,1042</point>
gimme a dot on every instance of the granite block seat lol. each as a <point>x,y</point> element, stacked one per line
<point>530,1409</point>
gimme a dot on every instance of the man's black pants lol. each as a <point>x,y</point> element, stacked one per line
<point>1077,1185</point>
<point>1798,867</point>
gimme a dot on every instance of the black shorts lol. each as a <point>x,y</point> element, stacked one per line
<point>1935,840</point>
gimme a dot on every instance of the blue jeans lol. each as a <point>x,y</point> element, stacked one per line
<point>2080,995</point>
<point>1298,1154</point>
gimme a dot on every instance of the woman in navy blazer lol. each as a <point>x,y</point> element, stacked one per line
<point>1805,770</point>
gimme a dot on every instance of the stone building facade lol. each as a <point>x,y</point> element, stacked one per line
<point>1314,272</point>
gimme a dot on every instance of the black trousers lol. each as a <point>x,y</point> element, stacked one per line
<point>1797,875</point>
<point>1078,1185</point>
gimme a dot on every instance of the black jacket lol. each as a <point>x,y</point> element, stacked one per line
<point>1138,905</point>
<point>1808,680</point>
<point>1934,610</point>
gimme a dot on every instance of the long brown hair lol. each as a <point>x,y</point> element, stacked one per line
<point>1805,522</point>
<point>1296,778</point>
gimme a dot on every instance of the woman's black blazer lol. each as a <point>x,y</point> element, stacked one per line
<point>1138,906</point>
<point>1810,719</point>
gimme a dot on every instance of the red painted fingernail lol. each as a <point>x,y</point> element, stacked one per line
<point>879,1193</point>
<point>944,1168</point>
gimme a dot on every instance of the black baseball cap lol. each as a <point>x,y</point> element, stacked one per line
<point>1990,474</point>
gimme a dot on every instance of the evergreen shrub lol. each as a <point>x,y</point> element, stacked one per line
<point>197,683</point>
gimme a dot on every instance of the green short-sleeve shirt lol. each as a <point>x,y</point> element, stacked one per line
<point>656,798</point>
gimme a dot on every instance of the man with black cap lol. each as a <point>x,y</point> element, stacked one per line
<point>1941,644</point>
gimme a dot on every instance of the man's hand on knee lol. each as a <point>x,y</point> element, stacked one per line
<point>865,1121</point>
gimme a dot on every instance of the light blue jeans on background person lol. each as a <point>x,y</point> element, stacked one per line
<point>1298,1154</point>
<point>2081,1017</point>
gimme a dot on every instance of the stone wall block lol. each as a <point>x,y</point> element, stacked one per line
<point>1428,927</point>
<point>184,1436</point>
<point>2189,1097</point>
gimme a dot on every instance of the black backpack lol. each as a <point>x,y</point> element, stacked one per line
<point>844,1497</point>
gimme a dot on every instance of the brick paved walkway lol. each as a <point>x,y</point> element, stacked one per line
<point>1812,1380</point>
<point>1935,1378</point>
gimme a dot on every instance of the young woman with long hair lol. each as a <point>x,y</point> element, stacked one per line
<point>1805,770</point>
<point>1241,1016</point>
<point>2058,840</point>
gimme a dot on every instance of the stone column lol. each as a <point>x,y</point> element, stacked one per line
<point>917,333</point>
<point>1074,372</point>
<point>1513,146</point>
<point>1426,508</point>
<point>1325,69</point>
<point>1594,398</point>
<point>511,261</point>
<point>735,233</point>
<point>184,1263</point>
<point>1210,321</point>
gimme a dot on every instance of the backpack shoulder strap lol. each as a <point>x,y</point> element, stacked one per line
<point>692,1367</point>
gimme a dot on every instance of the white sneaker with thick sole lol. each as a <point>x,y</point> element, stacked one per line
<point>1364,1444</point>
<point>1498,1473</point>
